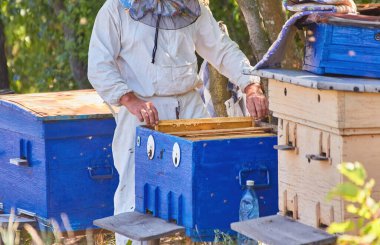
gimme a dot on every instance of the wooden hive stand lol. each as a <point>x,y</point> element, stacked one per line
<point>140,227</point>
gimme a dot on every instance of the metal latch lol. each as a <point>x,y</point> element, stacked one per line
<point>322,155</point>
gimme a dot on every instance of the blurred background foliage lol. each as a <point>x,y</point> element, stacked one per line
<point>38,51</point>
<point>47,40</point>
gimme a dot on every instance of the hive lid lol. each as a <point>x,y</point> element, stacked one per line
<point>78,104</point>
<point>322,82</point>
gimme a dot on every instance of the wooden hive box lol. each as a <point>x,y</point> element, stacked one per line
<point>191,172</point>
<point>55,156</point>
<point>344,44</point>
<point>322,122</point>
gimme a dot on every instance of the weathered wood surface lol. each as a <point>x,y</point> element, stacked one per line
<point>307,79</point>
<point>79,104</point>
<point>169,126</point>
<point>137,226</point>
<point>336,110</point>
<point>279,230</point>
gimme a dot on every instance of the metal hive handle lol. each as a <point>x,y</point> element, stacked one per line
<point>94,176</point>
<point>261,169</point>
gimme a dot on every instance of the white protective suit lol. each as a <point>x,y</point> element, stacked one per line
<point>119,62</point>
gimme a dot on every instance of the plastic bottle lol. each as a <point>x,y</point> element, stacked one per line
<point>249,209</point>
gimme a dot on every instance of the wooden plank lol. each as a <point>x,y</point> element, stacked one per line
<point>325,128</point>
<point>137,226</point>
<point>222,131</point>
<point>78,104</point>
<point>218,137</point>
<point>168,126</point>
<point>335,109</point>
<point>312,105</point>
<point>279,230</point>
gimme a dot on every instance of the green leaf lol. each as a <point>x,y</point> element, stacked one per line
<point>340,227</point>
<point>348,191</point>
<point>354,172</point>
<point>372,227</point>
<point>352,209</point>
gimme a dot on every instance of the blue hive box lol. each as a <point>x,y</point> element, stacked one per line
<point>55,157</point>
<point>346,45</point>
<point>196,178</point>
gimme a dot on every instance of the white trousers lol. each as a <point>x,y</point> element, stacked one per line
<point>123,146</point>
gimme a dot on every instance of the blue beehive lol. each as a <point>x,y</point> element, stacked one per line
<point>197,181</point>
<point>344,46</point>
<point>55,156</point>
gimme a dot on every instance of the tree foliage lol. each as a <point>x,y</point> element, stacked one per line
<point>38,52</point>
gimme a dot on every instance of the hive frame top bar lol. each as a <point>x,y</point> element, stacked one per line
<point>214,128</point>
<point>307,79</point>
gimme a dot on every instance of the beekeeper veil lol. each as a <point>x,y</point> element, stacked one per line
<point>163,14</point>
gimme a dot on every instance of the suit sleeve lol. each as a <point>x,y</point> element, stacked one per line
<point>103,71</point>
<point>220,51</point>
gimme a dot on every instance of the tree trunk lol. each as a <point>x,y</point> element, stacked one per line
<point>4,76</point>
<point>274,20</point>
<point>218,86</point>
<point>78,67</point>
<point>263,32</point>
<point>258,37</point>
<point>274,17</point>
<point>218,91</point>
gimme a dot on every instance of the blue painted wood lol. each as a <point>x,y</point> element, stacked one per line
<point>60,153</point>
<point>204,192</point>
<point>346,50</point>
<point>22,186</point>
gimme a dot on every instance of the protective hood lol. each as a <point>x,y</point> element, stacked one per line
<point>171,14</point>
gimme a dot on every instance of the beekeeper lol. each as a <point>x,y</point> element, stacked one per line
<point>142,59</point>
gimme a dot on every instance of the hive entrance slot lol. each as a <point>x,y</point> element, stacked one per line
<point>289,213</point>
<point>173,221</point>
<point>323,226</point>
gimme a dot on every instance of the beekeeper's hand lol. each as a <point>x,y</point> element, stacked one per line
<point>143,110</point>
<point>257,103</point>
